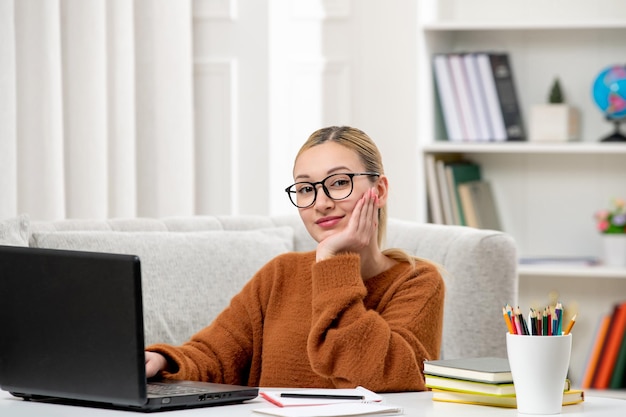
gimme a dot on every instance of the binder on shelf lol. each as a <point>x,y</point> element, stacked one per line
<point>477,95</point>
<point>494,114</point>
<point>447,98</point>
<point>463,94</point>
<point>507,96</point>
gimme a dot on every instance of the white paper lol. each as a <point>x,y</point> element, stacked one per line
<point>331,410</point>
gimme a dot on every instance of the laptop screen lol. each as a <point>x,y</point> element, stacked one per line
<point>72,325</point>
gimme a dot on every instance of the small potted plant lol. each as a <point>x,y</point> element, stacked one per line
<point>612,220</point>
<point>612,224</point>
<point>555,121</point>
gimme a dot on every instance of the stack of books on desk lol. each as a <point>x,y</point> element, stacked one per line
<point>482,381</point>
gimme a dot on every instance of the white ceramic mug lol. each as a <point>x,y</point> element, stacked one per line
<point>539,367</point>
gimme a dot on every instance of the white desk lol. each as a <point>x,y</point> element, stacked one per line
<point>414,403</point>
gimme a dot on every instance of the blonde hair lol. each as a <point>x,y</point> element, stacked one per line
<point>359,142</point>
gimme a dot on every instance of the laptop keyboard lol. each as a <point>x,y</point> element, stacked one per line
<point>173,389</point>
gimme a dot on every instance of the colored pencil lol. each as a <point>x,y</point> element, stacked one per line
<point>571,324</point>
<point>507,320</point>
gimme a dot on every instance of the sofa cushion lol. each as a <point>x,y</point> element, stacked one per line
<point>15,231</point>
<point>218,263</point>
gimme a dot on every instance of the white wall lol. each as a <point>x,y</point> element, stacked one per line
<point>272,72</point>
<point>384,99</point>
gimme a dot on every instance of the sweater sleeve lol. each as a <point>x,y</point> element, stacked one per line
<point>217,353</point>
<point>381,348</point>
<point>223,351</point>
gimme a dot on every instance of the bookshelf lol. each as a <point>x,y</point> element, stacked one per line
<point>546,193</point>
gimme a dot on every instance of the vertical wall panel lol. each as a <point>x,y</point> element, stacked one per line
<point>215,9</point>
<point>310,84</point>
<point>83,38</point>
<point>320,9</point>
<point>164,77</point>
<point>122,166</point>
<point>41,190</point>
<point>384,96</point>
<point>216,139</point>
<point>8,129</point>
<point>231,53</point>
<point>318,95</point>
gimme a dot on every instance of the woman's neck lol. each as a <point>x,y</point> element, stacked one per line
<point>374,262</point>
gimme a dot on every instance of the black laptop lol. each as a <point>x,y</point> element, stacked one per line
<point>71,329</point>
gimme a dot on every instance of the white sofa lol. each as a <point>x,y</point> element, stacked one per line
<point>192,266</point>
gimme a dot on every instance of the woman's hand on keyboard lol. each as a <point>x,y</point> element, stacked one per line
<point>155,362</point>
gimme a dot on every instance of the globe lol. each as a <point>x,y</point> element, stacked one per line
<point>609,94</point>
<point>609,91</point>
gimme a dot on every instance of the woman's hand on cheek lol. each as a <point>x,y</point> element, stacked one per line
<point>360,231</point>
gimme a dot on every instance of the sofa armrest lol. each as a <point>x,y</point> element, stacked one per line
<point>480,272</point>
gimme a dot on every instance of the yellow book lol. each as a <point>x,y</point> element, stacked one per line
<point>572,396</point>
<point>474,387</point>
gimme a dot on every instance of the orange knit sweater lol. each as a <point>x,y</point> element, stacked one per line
<point>298,323</point>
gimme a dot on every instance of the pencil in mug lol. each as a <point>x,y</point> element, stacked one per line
<point>548,323</point>
<point>568,329</point>
<point>559,318</point>
<point>524,327</point>
<point>507,320</point>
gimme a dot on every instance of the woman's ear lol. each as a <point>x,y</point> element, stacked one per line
<point>382,190</point>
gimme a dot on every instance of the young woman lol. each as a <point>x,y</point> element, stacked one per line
<point>346,314</point>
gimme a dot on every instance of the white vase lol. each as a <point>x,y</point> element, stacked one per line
<point>614,249</point>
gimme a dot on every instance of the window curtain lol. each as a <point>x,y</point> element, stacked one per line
<point>96,108</point>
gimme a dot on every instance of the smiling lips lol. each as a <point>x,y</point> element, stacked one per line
<point>327,222</point>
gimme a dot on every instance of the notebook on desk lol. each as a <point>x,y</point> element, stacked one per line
<point>71,328</point>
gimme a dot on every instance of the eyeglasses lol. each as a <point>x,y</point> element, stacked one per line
<point>335,186</point>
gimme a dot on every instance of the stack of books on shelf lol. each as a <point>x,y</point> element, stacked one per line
<point>457,194</point>
<point>605,367</point>
<point>481,381</point>
<point>477,97</point>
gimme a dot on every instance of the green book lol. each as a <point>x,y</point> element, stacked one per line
<point>458,173</point>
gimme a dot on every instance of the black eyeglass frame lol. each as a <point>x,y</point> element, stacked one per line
<point>289,190</point>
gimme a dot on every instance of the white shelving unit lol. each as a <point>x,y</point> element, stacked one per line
<point>546,193</point>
